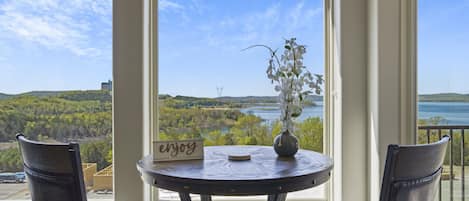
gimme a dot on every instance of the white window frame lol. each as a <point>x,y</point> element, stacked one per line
<point>130,105</point>
<point>153,79</point>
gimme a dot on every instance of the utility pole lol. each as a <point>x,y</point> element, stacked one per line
<point>219,91</point>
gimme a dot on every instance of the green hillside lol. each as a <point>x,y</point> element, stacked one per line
<point>82,116</point>
<point>86,117</point>
<point>190,102</point>
<point>32,93</point>
<point>62,116</point>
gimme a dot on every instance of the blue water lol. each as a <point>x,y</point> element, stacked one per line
<point>455,113</point>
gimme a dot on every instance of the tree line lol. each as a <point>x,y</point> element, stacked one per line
<point>82,116</point>
<point>57,117</point>
<point>86,117</point>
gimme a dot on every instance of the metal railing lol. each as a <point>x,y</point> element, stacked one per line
<point>428,134</point>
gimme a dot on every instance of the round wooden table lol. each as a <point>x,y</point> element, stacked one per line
<point>264,174</point>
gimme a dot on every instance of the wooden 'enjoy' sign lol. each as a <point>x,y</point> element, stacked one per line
<point>178,150</point>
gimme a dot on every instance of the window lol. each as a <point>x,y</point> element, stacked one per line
<point>443,86</point>
<point>211,86</point>
<point>56,67</point>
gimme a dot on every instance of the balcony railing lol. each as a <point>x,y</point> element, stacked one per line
<point>447,189</point>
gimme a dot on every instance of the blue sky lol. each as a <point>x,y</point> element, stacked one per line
<point>54,45</point>
<point>67,44</point>
<point>443,46</point>
<point>201,43</point>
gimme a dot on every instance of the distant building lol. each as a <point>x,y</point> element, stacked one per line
<point>106,85</point>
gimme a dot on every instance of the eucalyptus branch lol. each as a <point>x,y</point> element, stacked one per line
<point>272,52</point>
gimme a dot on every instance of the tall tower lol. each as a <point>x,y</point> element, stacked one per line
<point>219,91</point>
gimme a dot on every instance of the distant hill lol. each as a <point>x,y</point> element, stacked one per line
<point>106,96</point>
<point>42,93</point>
<point>262,99</point>
<point>249,99</point>
<point>189,102</point>
<point>32,93</point>
<point>4,96</point>
<point>444,97</point>
<point>226,101</point>
<point>96,95</point>
<point>68,95</point>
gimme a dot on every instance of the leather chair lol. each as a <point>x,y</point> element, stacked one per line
<point>412,172</point>
<point>53,171</point>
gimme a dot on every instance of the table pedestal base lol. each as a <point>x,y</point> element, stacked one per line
<point>273,197</point>
<point>277,197</point>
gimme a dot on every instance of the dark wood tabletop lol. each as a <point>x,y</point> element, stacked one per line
<point>264,174</point>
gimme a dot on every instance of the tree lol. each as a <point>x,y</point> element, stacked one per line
<point>310,134</point>
<point>99,152</point>
<point>11,160</point>
<point>247,123</point>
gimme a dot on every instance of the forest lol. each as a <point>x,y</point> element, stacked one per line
<point>81,116</point>
<point>86,117</point>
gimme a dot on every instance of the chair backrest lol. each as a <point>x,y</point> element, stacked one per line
<point>53,171</point>
<point>412,172</point>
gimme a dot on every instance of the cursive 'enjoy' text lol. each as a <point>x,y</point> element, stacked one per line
<point>174,148</point>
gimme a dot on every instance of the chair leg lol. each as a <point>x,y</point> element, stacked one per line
<point>205,197</point>
<point>184,197</point>
<point>277,197</point>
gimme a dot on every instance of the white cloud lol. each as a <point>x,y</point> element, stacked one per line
<point>295,14</point>
<point>198,6</point>
<point>237,32</point>
<point>56,24</point>
<point>167,4</point>
<point>261,27</point>
<point>169,8</point>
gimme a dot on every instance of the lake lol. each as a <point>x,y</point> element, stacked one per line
<point>456,113</point>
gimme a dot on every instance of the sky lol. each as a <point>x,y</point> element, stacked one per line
<point>200,43</point>
<point>54,44</point>
<point>443,46</point>
<point>67,44</point>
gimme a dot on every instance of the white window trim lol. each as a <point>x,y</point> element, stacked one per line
<point>151,193</point>
<point>129,104</point>
<point>329,110</point>
<point>408,71</point>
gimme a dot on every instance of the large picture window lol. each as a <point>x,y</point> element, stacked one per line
<point>56,67</point>
<point>212,87</point>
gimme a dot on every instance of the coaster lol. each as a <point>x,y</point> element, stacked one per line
<point>239,157</point>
